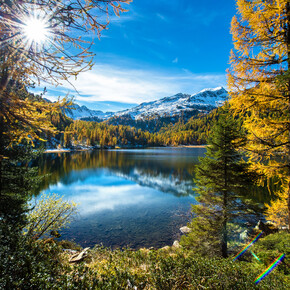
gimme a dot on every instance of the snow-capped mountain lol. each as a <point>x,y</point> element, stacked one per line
<point>77,112</point>
<point>205,100</point>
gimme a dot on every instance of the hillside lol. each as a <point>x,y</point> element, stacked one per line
<point>204,101</point>
<point>170,109</point>
<point>133,127</point>
<point>77,112</point>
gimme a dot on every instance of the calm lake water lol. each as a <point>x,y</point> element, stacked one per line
<point>137,198</point>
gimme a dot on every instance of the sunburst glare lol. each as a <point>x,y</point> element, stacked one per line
<point>36,30</point>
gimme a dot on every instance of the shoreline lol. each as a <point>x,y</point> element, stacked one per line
<point>191,146</point>
<point>57,150</point>
<point>63,150</point>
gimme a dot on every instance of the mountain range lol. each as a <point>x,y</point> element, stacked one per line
<point>203,101</point>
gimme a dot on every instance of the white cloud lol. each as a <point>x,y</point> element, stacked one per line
<point>175,60</point>
<point>106,83</point>
<point>120,84</point>
<point>92,198</point>
<point>161,17</point>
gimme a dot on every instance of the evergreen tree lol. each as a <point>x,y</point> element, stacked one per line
<point>221,178</point>
<point>18,180</point>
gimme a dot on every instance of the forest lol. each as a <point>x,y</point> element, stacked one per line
<point>248,149</point>
<point>86,134</point>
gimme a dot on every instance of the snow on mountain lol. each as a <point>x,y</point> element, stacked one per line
<point>161,182</point>
<point>205,100</point>
<point>77,112</point>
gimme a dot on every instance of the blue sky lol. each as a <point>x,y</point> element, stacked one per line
<point>156,49</point>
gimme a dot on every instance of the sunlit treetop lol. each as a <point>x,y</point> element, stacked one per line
<point>259,83</point>
<point>45,39</point>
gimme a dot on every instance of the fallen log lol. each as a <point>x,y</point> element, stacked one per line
<point>78,256</point>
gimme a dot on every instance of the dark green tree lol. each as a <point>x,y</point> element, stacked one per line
<point>221,178</point>
<point>18,179</point>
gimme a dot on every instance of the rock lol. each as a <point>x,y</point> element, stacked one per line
<point>185,230</point>
<point>244,235</point>
<point>267,228</point>
<point>144,250</point>
<point>166,248</point>
<point>70,251</point>
<point>176,244</point>
<point>79,256</point>
<point>130,286</point>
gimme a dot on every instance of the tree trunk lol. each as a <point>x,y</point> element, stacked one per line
<point>225,230</point>
<point>225,210</point>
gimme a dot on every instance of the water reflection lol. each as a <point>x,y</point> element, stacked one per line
<point>93,198</point>
<point>136,197</point>
<point>169,170</point>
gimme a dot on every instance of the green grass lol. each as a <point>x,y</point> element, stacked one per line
<point>162,269</point>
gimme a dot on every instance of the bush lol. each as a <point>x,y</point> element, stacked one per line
<point>29,265</point>
<point>270,247</point>
<point>50,214</point>
<point>172,269</point>
<point>193,272</point>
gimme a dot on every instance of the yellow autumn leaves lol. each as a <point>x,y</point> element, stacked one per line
<point>259,84</point>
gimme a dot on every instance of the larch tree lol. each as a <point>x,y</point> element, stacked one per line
<point>40,41</point>
<point>222,179</point>
<point>44,41</point>
<point>259,82</point>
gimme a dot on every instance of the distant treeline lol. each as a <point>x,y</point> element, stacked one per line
<point>152,123</point>
<point>101,134</point>
<point>88,133</point>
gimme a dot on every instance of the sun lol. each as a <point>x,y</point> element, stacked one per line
<point>35,29</point>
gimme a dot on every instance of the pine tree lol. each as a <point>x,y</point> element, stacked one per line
<point>221,178</point>
<point>259,80</point>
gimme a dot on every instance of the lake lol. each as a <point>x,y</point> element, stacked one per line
<point>136,198</point>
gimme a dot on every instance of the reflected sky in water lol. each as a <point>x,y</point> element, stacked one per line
<point>136,198</point>
<point>104,191</point>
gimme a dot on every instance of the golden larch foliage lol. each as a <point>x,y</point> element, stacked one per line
<point>259,88</point>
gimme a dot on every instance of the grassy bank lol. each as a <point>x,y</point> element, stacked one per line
<point>177,268</point>
<point>44,264</point>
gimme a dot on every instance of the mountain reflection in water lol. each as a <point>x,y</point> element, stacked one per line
<point>137,198</point>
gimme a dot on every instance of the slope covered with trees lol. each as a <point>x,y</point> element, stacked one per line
<point>83,133</point>
<point>193,132</point>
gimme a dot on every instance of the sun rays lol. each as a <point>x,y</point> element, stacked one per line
<point>36,30</point>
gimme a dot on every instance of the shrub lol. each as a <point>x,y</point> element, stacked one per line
<point>270,247</point>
